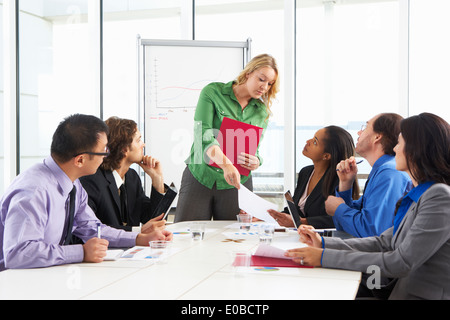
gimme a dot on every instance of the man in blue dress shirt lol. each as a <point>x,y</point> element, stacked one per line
<point>36,209</point>
<point>373,212</point>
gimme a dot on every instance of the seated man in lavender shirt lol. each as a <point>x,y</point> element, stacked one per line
<point>46,204</point>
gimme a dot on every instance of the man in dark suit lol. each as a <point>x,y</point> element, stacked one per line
<point>115,190</point>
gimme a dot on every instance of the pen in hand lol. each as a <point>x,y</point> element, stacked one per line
<point>356,163</point>
<point>99,230</point>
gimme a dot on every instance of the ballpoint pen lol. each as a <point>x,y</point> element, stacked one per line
<point>99,230</point>
<point>356,163</point>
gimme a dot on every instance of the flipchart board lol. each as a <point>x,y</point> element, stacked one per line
<point>172,74</point>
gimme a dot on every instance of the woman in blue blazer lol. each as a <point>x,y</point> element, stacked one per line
<point>415,252</point>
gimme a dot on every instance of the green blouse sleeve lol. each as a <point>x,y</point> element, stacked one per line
<point>204,117</point>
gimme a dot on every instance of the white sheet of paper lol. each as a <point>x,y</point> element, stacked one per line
<point>113,254</point>
<point>277,249</point>
<point>143,253</point>
<point>265,250</point>
<point>255,205</point>
<point>289,242</point>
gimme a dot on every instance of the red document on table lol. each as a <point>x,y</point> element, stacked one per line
<point>270,256</point>
<point>259,261</point>
<point>235,137</point>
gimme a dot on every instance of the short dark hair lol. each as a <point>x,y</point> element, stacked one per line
<point>427,147</point>
<point>75,134</point>
<point>388,124</point>
<point>120,137</point>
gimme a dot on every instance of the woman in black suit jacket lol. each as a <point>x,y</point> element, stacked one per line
<point>315,183</point>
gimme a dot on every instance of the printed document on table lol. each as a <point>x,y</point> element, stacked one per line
<point>265,250</point>
<point>255,205</point>
<point>268,256</point>
<point>113,254</point>
<point>271,251</point>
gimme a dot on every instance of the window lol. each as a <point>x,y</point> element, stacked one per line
<point>348,63</point>
<point>57,71</point>
<point>262,21</point>
<point>347,66</point>
<point>429,58</point>
<point>123,21</point>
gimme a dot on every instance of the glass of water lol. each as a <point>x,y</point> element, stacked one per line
<point>265,233</point>
<point>245,221</point>
<point>197,230</point>
<point>241,260</point>
<point>160,250</point>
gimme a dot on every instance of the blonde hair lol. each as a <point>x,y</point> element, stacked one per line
<point>261,61</point>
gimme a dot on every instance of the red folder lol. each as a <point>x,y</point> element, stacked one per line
<point>236,137</point>
<point>259,261</point>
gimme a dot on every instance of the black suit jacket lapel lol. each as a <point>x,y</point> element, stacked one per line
<point>301,183</point>
<point>113,191</point>
<point>317,192</point>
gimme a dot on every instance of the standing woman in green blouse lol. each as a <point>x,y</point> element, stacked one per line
<point>208,192</point>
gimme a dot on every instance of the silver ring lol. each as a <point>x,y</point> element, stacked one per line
<point>301,261</point>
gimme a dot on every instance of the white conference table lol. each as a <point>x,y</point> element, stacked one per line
<point>196,270</point>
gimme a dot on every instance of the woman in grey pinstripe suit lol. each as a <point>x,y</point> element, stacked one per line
<point>415,252</point>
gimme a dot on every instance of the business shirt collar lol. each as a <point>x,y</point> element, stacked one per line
<point>412,196</point>
<point>382,160</point>
<point>118,179</point>
<point>227,89</point>
<point>63,180</point>
<point>417,192</point>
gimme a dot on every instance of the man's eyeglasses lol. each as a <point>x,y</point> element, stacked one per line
<point>105,154</point>
<point>364,127</point>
